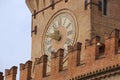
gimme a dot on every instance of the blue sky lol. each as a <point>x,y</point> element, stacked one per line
<point>15,33</point>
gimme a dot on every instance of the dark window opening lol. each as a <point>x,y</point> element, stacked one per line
<point>119,46</point>
<point>101,51</point>
<point>105,4</point>
<point>100,5</point>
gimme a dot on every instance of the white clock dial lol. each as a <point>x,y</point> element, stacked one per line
<point>60,33</point>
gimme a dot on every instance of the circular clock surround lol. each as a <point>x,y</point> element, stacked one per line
<point>60,32</point>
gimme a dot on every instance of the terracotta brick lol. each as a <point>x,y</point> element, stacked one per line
<point>25,70</point>
<point>57,61</point>
<point>1,76</point>
<point>40,68</point>
<point>10,74</point>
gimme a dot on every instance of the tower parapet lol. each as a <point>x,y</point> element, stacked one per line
<point>1,76</point>
<point>25,70</point>
<point>101,60</point>
<point>40,69</point>
<point>10,74</point>
<point>57,62</point>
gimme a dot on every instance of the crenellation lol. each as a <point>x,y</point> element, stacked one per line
<point>80,71</point>
<point>10,74</point>
<point>70,48</point>
<point>1,76</point>
<point>57,62</point>
<point>40,69</point>
<point>26,65</point>
<point>95,40</point>
<point>41,60</point>
<point>25,70</point>
<point>87,42</point>
<point>115,33</point>
<point>78,46</point>
<point>60,52</point>
<point>22,66</point>
<point>53,55</point>
<point>7,72</point>
<point>92,29</point>
<point>12,70</point>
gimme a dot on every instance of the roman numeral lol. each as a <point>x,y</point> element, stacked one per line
<point>68,41</point>
<point>48,42</point>
<point>64,21</point>
<point>49,49</point>
<point>59,21</point>
<point>68,25</point>
<point>54,26</point>
<point>69,32</point>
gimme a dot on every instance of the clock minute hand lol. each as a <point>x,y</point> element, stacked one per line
<point>56,35</point>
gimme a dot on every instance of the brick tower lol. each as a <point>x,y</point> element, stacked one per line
<point>57,26</point>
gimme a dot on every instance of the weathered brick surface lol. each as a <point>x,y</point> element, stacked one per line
<point>91,24</point>
<point>1,76</point>
<point>25,70</point>
<point>40,68</point>
<point>92,65</point>
<point>105,23</point>
<point>10,74</point>
<point>43,19</point>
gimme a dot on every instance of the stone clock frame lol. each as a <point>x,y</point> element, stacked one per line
<point>63,11</point>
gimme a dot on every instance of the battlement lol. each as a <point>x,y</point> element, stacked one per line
<point>25,70</point>
<point>101,60</point>
<point>11,72</point>
<point>26,65</point>
<point>1,76</point>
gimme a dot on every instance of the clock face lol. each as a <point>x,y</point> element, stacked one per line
<point>60,33</point>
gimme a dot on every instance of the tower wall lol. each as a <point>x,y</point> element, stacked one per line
<point>105,22</point>
<point>44,15</point>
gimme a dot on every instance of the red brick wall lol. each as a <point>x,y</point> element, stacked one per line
<point>92,65</point>
<point>105,23</point>
<point>1,76</point>
<point>10,74</point>
<point>25,70</point>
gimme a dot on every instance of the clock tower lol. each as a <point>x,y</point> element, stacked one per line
<point>58,24</point>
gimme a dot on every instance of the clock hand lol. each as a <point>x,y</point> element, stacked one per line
<point>56,35</point>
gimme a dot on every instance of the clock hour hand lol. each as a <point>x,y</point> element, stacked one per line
<point>56,35</point>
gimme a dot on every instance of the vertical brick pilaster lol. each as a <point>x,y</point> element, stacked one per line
<point>77,51</point>
<point>114,41</point>
<point>107,45</point>
<point>92,50</point>
<point>1,76</point>
<point>73,57</point>
<point>25,71</point>
<point>10,74</point>
<point>57,61</point>
<point>40,67</point>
